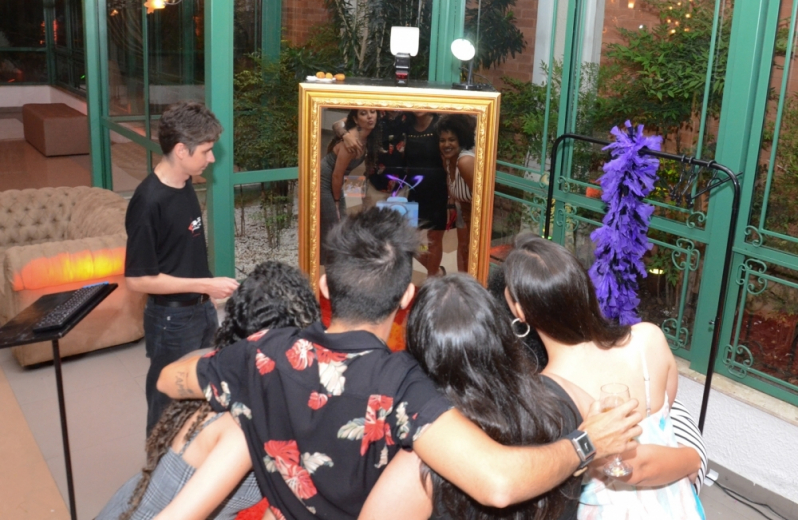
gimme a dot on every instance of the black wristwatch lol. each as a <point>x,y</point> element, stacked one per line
<point>584,448</point>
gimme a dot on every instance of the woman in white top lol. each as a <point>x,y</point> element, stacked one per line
<point>456,142</point>
<point>550,292</point>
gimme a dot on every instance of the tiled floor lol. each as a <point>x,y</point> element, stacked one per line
<point>22,166</point>
<point>106,414</point>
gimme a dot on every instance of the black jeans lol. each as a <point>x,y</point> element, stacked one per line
<point>169,334</point>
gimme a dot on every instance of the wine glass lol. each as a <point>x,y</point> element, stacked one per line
<point>612,396</point>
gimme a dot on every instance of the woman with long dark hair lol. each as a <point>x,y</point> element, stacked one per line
<point>274,295</point>
<point>455,333</point>
<point>338,163</point>
<point>549,291</point>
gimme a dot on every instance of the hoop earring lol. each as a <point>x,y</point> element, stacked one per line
<point>518,320</point>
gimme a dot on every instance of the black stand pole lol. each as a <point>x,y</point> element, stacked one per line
<point>22,330</point>
<point>713,183</point>
<point>59,383</point>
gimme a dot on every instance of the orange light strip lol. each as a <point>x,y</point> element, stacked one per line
<point>69,268</point>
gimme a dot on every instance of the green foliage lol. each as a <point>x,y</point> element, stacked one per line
<point>498,35</point>
<point>363,29</point>
<point>658,75</point>
<point>781,215</point>
<point>265,102</point>
<point>277,202</point>
<point>522,123</point>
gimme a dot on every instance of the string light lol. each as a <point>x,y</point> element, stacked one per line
<point>631,5</point>
<point>152,5</point>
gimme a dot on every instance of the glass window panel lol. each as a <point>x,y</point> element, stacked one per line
<point>265,225</point>
<point>60,23</point>
<point>176,54</point>
<point>23,67</point>
<point>128,163</point>
<point>22,23</point>
<point>768,339</point>
<point>126,59</point>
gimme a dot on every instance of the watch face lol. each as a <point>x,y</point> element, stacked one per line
<point>585,444</point>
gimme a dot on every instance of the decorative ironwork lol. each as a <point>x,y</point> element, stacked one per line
<point>737,368</point>
<point>680,336</point>
<point>751,268</point>
<point>695,219</point>
<point>751,231</point>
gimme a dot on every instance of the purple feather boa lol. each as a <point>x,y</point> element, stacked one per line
<point>621,242</point>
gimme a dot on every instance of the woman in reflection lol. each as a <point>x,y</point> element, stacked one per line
<point>456,143</point>
<point>423,159</point>
<point>340,162</point>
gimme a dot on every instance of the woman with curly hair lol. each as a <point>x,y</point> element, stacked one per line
<point>189,437</point>
<point>457,333</point>
<point>456,142</point>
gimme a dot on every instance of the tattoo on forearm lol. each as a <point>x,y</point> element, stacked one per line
<point>181,379</point>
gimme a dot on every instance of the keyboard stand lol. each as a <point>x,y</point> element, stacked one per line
<point>19,331</point>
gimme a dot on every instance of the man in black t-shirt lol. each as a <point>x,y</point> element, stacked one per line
<point>167,257</point>
<point>324,411</point>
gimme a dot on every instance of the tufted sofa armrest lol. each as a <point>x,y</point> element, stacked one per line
<point>38,215</point>
<point>99,212</point>
<point>51,264</point>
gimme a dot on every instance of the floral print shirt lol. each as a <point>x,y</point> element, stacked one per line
<point>322,413</point>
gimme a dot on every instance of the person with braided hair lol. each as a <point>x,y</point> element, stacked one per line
<point>189,434</point>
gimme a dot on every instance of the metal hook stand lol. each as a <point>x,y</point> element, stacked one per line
<point>714,182</point>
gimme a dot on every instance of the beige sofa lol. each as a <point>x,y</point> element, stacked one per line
<point>59,239</point>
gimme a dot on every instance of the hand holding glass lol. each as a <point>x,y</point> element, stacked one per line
<point>612,396</point>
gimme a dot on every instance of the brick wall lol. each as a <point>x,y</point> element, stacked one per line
<point>520,67</point>
<point>299,17</point>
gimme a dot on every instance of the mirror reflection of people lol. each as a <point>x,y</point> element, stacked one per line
<point>549,291</point>
<point>423,159</point>
<point>381,179</point>
<point>340,162</point>
<point>463,341</point>
<point>456,142</point>
<point>274,295</point>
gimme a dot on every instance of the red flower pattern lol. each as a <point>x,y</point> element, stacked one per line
<point>317,400</point>
<point>277,513</point>
<point>301,355</point>
<point>328,356</point>
<point>257,335</point>
<point>375,428</point>
<point>286,459</point>
<point>264,363</point>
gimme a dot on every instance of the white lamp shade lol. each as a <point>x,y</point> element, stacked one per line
<point>404,40</point>
<point>463,49</point>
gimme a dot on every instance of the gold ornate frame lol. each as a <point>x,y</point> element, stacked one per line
<point>315,97</point>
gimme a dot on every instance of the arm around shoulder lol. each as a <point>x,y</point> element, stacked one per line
<point>179,380</point>
<point>492,474</point>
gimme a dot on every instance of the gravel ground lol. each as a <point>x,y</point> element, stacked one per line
<point>252,246</point>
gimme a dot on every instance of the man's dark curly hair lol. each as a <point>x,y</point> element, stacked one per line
<point>274,295</point>
<point>369,264</point>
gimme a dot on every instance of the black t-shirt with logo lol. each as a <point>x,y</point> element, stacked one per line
<point>165,233</point>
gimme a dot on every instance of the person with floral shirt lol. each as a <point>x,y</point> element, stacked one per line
<point>324,411</point>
